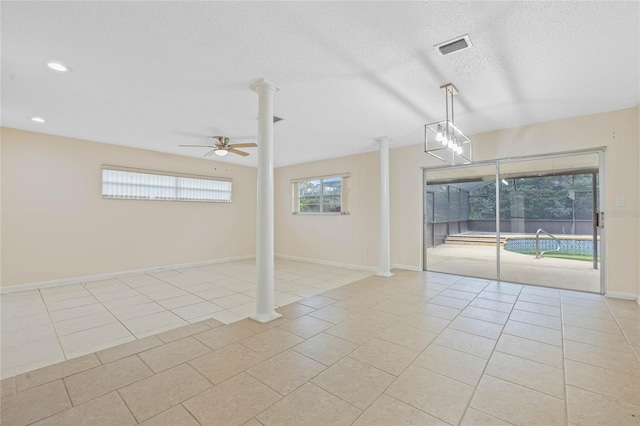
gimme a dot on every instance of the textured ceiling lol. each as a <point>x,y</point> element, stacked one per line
<point>155,75</point>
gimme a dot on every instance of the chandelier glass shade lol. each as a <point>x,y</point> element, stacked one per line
<point>444,140</point>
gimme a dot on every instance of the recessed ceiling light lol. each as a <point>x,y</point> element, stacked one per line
<point>38,119</point>
<point>58,66</point>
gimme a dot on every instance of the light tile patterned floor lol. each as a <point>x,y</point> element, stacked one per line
<point>416,348</point>
<point>46,326</point>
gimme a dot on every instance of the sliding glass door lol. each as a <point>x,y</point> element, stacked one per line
<point>530,221</point>
<point>460,225</point>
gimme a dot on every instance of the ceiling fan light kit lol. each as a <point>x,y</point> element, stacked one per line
<point>443,139</point>
<point>222,147</point>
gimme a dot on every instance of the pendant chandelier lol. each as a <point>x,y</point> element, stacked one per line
<point>443,139</point>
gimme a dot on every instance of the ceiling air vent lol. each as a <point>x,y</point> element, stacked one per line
<point>455,45</point>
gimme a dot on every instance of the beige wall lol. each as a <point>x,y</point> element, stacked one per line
<point>55,225</point>
<point>617,130</point>
<point>348,239</point>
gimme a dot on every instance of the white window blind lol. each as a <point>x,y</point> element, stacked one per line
<point>125,184</point>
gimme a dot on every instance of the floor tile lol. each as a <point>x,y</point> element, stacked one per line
<point>432,393</point>
<point>71,303</point>
<point>308,406</point>
<point>438,311</point>
<point>27,322</point>
<point>517,404</point>
<point>530,349</point>
<point>224,363</point>
<point>149,322</point>
<point>174,416</point>
<point>101,380</point>
<point>622,362</point>
<point>108,409</point>
<point>157,393</point>
<point>596,338</point>
<point>306,326</point>
<point>454,364</point>
<point>15,358</point>
<point>534,332</point>
<point>136,311</point>
<point>127,349</point>
<point>409,337</point>
<point>537,308</point>
<point>588,408</point>
<point>34,404</point>
<point>317,302</point>
<point>232,402</point>
<point>127,301</point>
<point>375,317</point>
<point>485,314</point>
<point>174,353</point>
<point>524,372</point>
<point>465,342</point>
<point>592,312</point>
<point>541,300</point>
<point>87,341</point>
<point>492,304</point>
<point>223,336</point>
<point>498,297</point>
<point>180,301</point>
<point>473,417</point>
<point>476,326</point>
<point>449,301</point>
<point>464,295</point>
<point>325,348</point>
<point>27,335</point>
<point>387,411</point>
<point>536,319</point>
<point>385,356</point>
<point>271,342</point>
<point>602,381</point>
<point>286,372</point>
<point>83,323</point>
<point>353,304</point>
<point>424,322</point>
<point>354,331</point>
<point>604,326</point>
<point>232,300</point>
<point>197,310</point>
<point>54,372</point>
<point>182,332</point>
<point>226,316</point>
<point>355,382</point>
<point>258,327</point>
<point>331,314</point>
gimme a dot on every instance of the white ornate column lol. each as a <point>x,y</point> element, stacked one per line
<point>265,311</point>
<point>384,266</point>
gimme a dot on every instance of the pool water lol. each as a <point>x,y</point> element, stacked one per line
<point>567,246</point>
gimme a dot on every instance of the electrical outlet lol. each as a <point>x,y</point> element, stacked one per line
<point>114,254</point>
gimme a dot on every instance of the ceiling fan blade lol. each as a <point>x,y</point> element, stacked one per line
<point>199,146</point>
<point>235,151</point>
<point>243,145</point>
<point>210,152</point>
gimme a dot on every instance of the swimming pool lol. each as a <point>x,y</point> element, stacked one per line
<point>567,246</point>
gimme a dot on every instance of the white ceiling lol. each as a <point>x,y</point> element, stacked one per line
<point>155,75</point>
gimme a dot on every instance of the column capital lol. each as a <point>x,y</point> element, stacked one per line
<point>383,140</point>
<point>261,86</point>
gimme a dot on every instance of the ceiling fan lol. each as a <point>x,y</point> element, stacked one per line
<point>222,147</point>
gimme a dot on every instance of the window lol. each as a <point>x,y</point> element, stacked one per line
<point>134,184</point>
<point>321,195</point>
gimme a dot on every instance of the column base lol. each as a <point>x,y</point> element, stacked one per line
<point>265,318</point>
<point>384,274</point>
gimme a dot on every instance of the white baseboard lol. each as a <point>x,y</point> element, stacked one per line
<point>619,295</point>
<point>109,275</point>
<point>408,267</point>
<point>328,262</point>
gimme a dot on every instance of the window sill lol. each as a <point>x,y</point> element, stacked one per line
<point>321,214</point>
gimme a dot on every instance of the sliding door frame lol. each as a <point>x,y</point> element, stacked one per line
<point>599,151</point>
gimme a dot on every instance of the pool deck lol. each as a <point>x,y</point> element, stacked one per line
<point>480,261</point>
